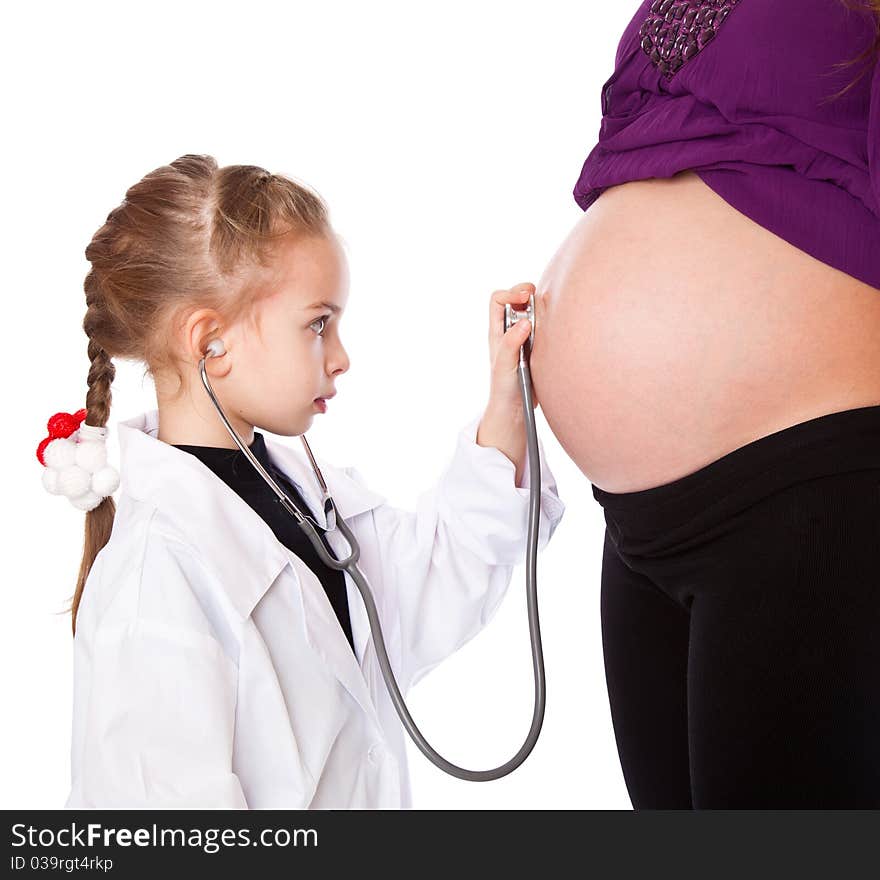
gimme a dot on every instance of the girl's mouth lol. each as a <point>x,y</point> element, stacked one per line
<point>320,404</point>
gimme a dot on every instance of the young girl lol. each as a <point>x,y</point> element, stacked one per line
<point>218,661</point>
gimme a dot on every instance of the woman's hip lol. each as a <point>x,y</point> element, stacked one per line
<point>822,463</point>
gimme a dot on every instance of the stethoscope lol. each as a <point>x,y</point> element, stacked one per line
<point>216,348</point>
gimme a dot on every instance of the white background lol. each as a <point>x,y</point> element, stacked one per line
<point>446,140</point>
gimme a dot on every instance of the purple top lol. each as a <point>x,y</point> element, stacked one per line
<point>733,90</point>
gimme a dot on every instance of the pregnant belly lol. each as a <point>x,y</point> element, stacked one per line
<point>672,329</point>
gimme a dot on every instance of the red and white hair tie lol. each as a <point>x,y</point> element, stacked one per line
<point>74,456</point>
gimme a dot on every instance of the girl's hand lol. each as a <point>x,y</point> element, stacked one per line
<point>503,422</point>
<point>504,391</point>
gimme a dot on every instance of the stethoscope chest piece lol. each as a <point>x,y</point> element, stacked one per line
<point>511,316</point>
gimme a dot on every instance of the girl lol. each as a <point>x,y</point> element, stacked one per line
<point>218,662</point>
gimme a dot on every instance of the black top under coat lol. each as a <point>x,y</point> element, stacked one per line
<point>233,467</point>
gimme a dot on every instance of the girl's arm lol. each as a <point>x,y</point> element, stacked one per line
<point>448,563</point>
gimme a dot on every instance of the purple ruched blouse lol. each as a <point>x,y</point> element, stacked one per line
<point>739,92</point>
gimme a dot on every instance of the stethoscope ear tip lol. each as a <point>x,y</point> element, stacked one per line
<point>215,348</point>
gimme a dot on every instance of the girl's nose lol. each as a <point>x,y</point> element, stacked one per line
<point>339,363</point>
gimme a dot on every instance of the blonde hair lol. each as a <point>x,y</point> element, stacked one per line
<point>187,235</point>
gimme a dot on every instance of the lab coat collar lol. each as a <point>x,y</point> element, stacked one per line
<point>237,545</point>
<point>229,534</point>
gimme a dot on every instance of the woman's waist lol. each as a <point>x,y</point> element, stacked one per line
<point>822,205</point>
<point>672,329</point>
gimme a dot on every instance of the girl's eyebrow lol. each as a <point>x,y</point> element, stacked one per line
<point>325,305</point>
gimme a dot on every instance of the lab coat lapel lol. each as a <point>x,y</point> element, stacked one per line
<point>322,626</point>
<point>327,639</point>
<point>233,541</point>
<point>240,548</point>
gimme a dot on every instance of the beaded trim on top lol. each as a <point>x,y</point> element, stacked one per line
<point>676,30</point>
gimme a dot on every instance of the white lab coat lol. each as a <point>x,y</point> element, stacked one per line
<point>210,669</point>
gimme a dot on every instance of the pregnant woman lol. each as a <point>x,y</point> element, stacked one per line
<point>709,356</point>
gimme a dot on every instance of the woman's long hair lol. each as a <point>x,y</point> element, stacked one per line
<point>871,52</point>
<point>187,235</point>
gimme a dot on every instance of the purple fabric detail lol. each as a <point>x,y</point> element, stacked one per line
<point>750,112</point>
<point>676,32</point>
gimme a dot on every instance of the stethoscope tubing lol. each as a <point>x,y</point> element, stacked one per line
<point>349,564</point>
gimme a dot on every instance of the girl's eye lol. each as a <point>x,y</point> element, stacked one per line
<point>323,321</point>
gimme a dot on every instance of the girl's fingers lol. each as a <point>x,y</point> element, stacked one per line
<point>516,296</point>
<point>507,353</point>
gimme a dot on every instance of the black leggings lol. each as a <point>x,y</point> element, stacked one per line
<point>740,610</point>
